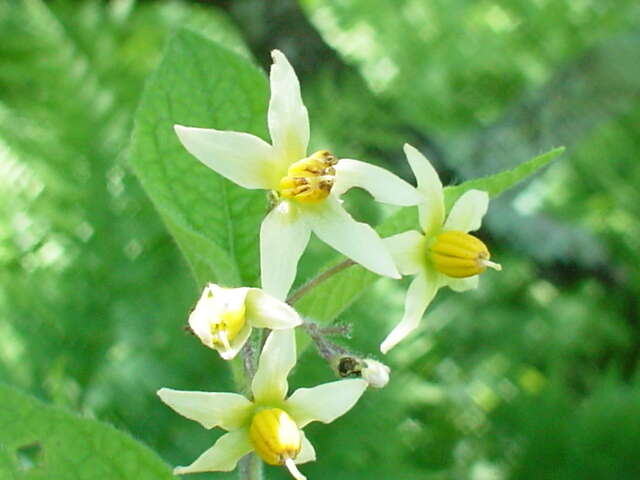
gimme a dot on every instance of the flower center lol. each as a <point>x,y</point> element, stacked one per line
<point>226,327</point>
<point>310,179</point>
<point>460,255</point>
<point>276,439</point>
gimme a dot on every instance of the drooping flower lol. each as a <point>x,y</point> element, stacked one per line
<point>223,317</point>
<point>271,424</point>
<point>306,189</point>
<point>444,253</point>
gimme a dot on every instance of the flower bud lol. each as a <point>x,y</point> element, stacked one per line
<point>459,255</point>
<point>375,373</point>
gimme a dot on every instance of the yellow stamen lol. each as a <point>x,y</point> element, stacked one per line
<point>227,327</point>
<point>276,438</point>
<point>310,180</point>
<point>460,255</point>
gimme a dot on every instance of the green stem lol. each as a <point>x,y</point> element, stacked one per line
<point>250,468</point>
<point>310,285</point>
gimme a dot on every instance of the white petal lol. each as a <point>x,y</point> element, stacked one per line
<point>420,293</point>
<point>325,402</point>
<point>466,214</point>
<point>210,409</point>
<point>277,359</point>
<point>379,182</point>
<point>265,311</point>
<point>236,344</point>
<point>283,237</point>
<point>307,452</point>
<point>358,241</point>
<point>242,158</point>
<point>431,211</point>
<point>408,250</point>
<point>463,284</point>
<point>288,117</point>
<point>223,456</point>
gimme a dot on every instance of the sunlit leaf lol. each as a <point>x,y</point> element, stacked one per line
<point>200,83</point>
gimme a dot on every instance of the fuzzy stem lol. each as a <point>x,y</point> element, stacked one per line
<point>310,285</point>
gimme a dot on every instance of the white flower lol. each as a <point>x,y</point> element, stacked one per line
<point>271,424</point>
<point>223,317</point>
<point>307,188</point>
<point>375,373</point>
<point>444,254</point>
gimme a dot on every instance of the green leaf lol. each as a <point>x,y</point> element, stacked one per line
<point>38,441</point>
<point>498,183</point>
<point>332,297</point>
<point>215,222</point>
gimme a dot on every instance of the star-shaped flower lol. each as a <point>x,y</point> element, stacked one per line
<point>223,317</point>
<point>307,189</point>
<point>270,424</point>
<point>443,254</point>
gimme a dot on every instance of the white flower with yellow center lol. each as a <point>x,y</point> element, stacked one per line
<point>223,317</point>
<point>443,254</point>
<point>307,189</point>
<point>270,424</point>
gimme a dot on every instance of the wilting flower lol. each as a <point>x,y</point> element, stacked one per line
<point>375,373</point>
<point>306,189</point>
<point>270,424</point>
<point>444,254</point>
<point>223,317</point>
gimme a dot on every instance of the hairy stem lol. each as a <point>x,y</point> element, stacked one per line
<point>310,285</point>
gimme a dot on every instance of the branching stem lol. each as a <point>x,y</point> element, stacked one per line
<point>313,283</point>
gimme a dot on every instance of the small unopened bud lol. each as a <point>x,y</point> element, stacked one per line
<point>276,439</point>
<point>375,373</point>
<point>460,255</point>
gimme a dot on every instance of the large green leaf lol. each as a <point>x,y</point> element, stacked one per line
<point>38,441</point>
<point>215,222</point>
<point>330,298</point>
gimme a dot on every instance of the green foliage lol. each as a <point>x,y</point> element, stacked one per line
<point>214,221</point>
<point>43,442</point>
<point>530,376</point>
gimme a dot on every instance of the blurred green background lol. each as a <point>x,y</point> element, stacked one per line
<point>533,376</point>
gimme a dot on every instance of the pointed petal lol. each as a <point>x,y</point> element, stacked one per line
<point>210,409</point>
<point>379,182</point>
<point>265,311</point>
<point>277,359</point>
<point>288,117</point>
<point>325,402</point>
<point>223,456</point>
<point>464,284</point>
<point>358,241</point>
<point>431,211</point>
<point>307,452</point>
<point>283,237</point>
<point>408,250</point>
<point>242,158</point>
<point>466,214</point>
<point>420,293</point>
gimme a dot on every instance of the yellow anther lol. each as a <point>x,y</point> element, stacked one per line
<point>310,179</point>
<point>229,323</point>
<point>460,255</point>
<point>314,165</point>
<point>275,437</point>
